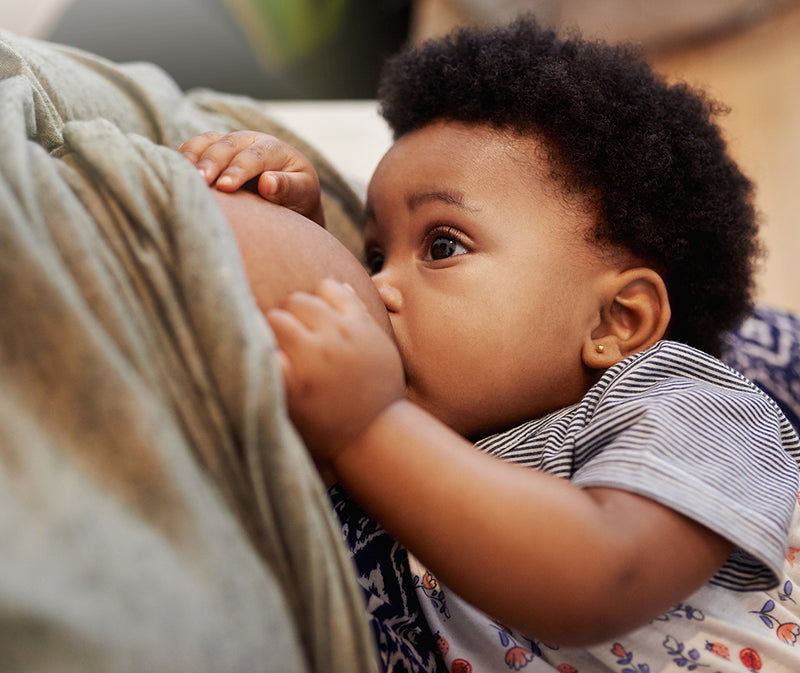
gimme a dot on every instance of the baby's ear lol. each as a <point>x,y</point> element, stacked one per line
<point>634,317</point>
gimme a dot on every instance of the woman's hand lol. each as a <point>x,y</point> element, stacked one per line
<point>285,175</point>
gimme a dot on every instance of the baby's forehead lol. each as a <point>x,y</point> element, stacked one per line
<point>464,151</point>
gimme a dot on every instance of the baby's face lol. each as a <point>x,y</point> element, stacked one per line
<point>491,286</point>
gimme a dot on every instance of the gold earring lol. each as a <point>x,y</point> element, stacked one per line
<point>599,348</point>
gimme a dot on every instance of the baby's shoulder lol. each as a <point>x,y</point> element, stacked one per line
<point>680,385</point>
<point>671,361</point>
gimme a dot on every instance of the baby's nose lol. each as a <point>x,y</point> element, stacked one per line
<point>388,291</point>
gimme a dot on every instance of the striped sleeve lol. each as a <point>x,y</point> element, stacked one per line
<point>680,428</point>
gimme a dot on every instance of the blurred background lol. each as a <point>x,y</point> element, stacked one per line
<point>746,53</point>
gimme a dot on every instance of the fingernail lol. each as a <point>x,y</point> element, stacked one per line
<point>271,183</point>
<point>224,180</point>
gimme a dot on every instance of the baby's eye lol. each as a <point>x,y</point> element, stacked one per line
<point>444,246</point>
<point>374,261</point>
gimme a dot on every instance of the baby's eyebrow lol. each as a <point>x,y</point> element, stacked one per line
<point>421,197</point>
<point>448,196</point>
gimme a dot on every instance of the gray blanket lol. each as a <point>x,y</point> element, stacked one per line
<point>157,510</point>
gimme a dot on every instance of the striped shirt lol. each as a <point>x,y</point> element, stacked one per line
<point>681,428</point>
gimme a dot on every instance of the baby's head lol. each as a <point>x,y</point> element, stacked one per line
<point>644,155</point>
<point>548,208</point>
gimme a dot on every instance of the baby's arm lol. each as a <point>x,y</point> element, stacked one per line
<point>568,565</point>
<point>285,175</point>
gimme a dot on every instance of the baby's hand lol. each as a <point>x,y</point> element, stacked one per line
<point>340,368</point>
<point>285,176</point>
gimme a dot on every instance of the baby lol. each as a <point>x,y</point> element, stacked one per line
<point>560,241</point>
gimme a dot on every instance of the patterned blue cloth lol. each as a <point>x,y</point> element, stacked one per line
<point>404,641</point>
<point>766,349</point>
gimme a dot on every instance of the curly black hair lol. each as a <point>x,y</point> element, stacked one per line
<point>647,154</point>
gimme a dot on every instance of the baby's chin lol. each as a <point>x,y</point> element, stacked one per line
<point>444,413</point>
<point>464,422</point>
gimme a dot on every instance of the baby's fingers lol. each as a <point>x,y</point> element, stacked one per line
<point>294,339</point>
<point>340,296</point>
<point>234,158</point>
<point>285,367</point>
<point>299,191</point>
<point>244,155</point>
<point>194,148</point>
<point>288,330</point>
<point>289,374</point>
